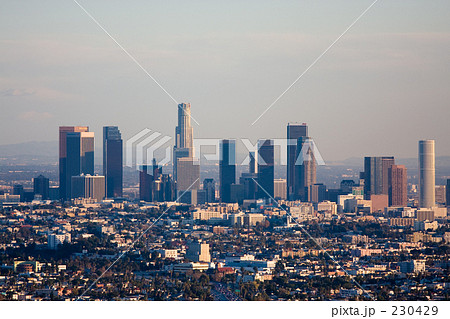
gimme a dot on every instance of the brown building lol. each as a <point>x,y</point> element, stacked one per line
<point>398,182</point>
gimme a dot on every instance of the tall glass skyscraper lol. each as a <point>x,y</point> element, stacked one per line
<point>305,169</point>
<point>70,157</point>
<point>113,161</point>
<point>376,175</point>
<point>227,168</point>
<point>294,132</point>
<point>266,169</point>
<point>427,181</point>
<point>186,169</point>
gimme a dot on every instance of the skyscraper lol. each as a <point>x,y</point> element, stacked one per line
<point>279,186</point>
<point>227,168</point>
<point>398,182</point>
<point>188,174</point>
<point>305,169</point>
<point>376,175</point>
<point>151,184</point>
<point>209,186</point>
<point>427,174</point>
<point>265,168</point>
<point>294,132</point>
<point>145,183</point>
<point>186,169</point>
<point>63,179</point>
<point>41,186</point>
<point>113,161</point>
<point>253,164</point>
<point>184,132</point>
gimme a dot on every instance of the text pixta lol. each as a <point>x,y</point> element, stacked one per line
<point>352,311</point>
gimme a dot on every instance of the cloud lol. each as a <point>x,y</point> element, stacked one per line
<point>40,93</point>
<point>17,92</point>
<point>34,116</point>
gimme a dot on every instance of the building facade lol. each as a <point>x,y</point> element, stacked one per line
<point>113,161</point>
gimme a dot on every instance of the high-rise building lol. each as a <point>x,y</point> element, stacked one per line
<point>305,169</point>
<point>253,163</point>
<point>113,161</point>
<point>88,186</point>
<point>184,133</point>
<point>279,188</point>
<point>41,186</point>
<point>317,193</point>
<point>80,157</point>
<point>398,183</point>
<point>427,174</point>
<point>19,190</point>
<point>150,182</point>
<point>186,168</point>
<point>64,179</point>
<point>448,192</point>
<point>294,132</point>
<point>188,175</point>
<point>145,183</point>
<point>265,168</point>
<point>227,168</point>
<point>209,186</point>
<point>376,175</point>
<point>440,195</point>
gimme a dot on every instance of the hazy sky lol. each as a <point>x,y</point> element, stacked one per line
<point>381,88</point>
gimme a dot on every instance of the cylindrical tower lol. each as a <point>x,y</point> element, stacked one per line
<point>427,174</point>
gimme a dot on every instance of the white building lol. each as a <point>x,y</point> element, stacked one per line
<point>54,240</point>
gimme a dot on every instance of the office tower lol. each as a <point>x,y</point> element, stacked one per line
<point>376,175</point>
<point>398,183</point>
<point>386,164</point>
<point>188,175</point>
<point>440,195</point>
<point>18,190</point>
<point>113,161</point>
<point>305,169</point>
<point>253,163</point>
<point>168,190</point>
<point>265,168</point>
<point>317,193</point>
<point>150,182</point>
<point>448,192</point>
<point>88,186</point>
<point>41,187</point>
<point>294,132</point>
<point>248,180</point>
<point>64,180</point>
<point>184,132</point>
<point>279,188</point>
<point>227,168</point>
<point>209,186</point>
<point>427,174</point>
<point>198,252</point>
<point>145,183</point>
<point>184,135</point>
<point>80,157</point>
<point>186,169</point>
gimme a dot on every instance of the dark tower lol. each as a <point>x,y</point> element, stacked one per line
<point>113,161</point>
<point>265,169</point>
<point>64,181</point>
<point>227,168</point>
<point>294,132</point>
<point>41,186</point>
